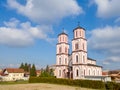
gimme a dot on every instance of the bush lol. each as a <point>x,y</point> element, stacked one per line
<point>81,83</point>
<point>112,86</point>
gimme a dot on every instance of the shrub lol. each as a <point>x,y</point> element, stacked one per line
<point>112,86</point>
<point>81,83</point>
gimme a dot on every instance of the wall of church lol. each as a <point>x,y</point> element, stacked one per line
<point>84,70</point>
<point>62,48</point>
<point>62,60</point>
<point>91,62</point>
<point>82,45</point>
<point>79,58</point>
<point>79,33</point>
<point>61,72</point>
<point>62,38</point>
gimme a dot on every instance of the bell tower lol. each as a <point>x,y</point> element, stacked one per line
<point>79,52</point>
<point>62,51</point>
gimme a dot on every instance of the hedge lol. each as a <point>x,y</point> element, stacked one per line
<point>112,86</point>
<point>81,83</point>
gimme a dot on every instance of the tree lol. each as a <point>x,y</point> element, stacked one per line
<point>47,69</point>
<point>47,72</point>
<point>26,67</point>
<point>33,71</point>
<point>22,66</point>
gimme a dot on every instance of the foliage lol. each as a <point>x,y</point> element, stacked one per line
<point>33,71</point>
<point>81,83</point>
<point>112,86</point>
<point>47,72</point>
<point>25,66</point>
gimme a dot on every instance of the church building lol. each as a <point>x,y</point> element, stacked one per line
<point>76,65</point>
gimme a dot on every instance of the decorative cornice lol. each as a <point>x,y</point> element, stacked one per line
<point>87,65</point>
<point>62,43</point>
<point>61,65</point>
<point>79,38</point>
<point>79,51</point>
<point>62,54</point>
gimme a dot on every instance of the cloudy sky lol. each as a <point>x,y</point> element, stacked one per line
<point>29,29</point>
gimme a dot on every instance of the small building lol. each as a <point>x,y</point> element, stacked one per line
<point>115,77</point>
<point>38,73</point>
<point>12,74</point>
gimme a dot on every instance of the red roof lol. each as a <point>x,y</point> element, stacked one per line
<point>104,73</point>
<point>14,70</point>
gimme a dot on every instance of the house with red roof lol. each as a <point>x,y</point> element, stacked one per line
<point>12,74</point>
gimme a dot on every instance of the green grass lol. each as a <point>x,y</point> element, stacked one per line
<point>13,82</point>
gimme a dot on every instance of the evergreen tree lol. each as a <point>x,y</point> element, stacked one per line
<point>47,68</point>
<point>26,67</point>
<point>22,66</point>
<point>47,72</point>
<point>29,67</point>
<point>51,72</point>
<point>33,71</point>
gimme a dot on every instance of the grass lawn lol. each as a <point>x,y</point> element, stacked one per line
<point>39,86</point>
<point>13,82</point>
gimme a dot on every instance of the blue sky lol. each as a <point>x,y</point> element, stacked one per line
<point>29,29</point>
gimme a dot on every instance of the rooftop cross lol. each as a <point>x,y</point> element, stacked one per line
<point>78,23</point>
<point>63,30</point>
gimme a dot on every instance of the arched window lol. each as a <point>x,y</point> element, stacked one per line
<point>65,49</point>
<point>60,39</point>
<point>76,46</point>
<point>93,72</point>
<point>83,47</point>
<point>60,49</point>
<point>59,72</point>
<point>98,72</point>
<point>65,39</point>
<point>65,60</point>
<point>77,73</point>
<point>76,33</point>
<point>84,72</point>
<point>80,32</point>
<point>76,58</point>
<point>60,61</point>
<point>83,59</point>
<point>89,72</point>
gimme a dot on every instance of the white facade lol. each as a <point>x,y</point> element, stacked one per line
<point>62,56</point>
<point>13,74</point>
<point>77,65</point>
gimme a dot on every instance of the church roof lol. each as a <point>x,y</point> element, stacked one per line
<point>91,59</point>
<point>93,65</point>
<point>78,27</point>
<point>63,33</point>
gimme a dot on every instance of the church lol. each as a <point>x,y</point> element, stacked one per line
<point>76,65</point>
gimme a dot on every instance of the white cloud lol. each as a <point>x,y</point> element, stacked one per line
<point>46,11</point>
<point>18,34</point>
<point>107,41</point>
<point>107,8</point>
